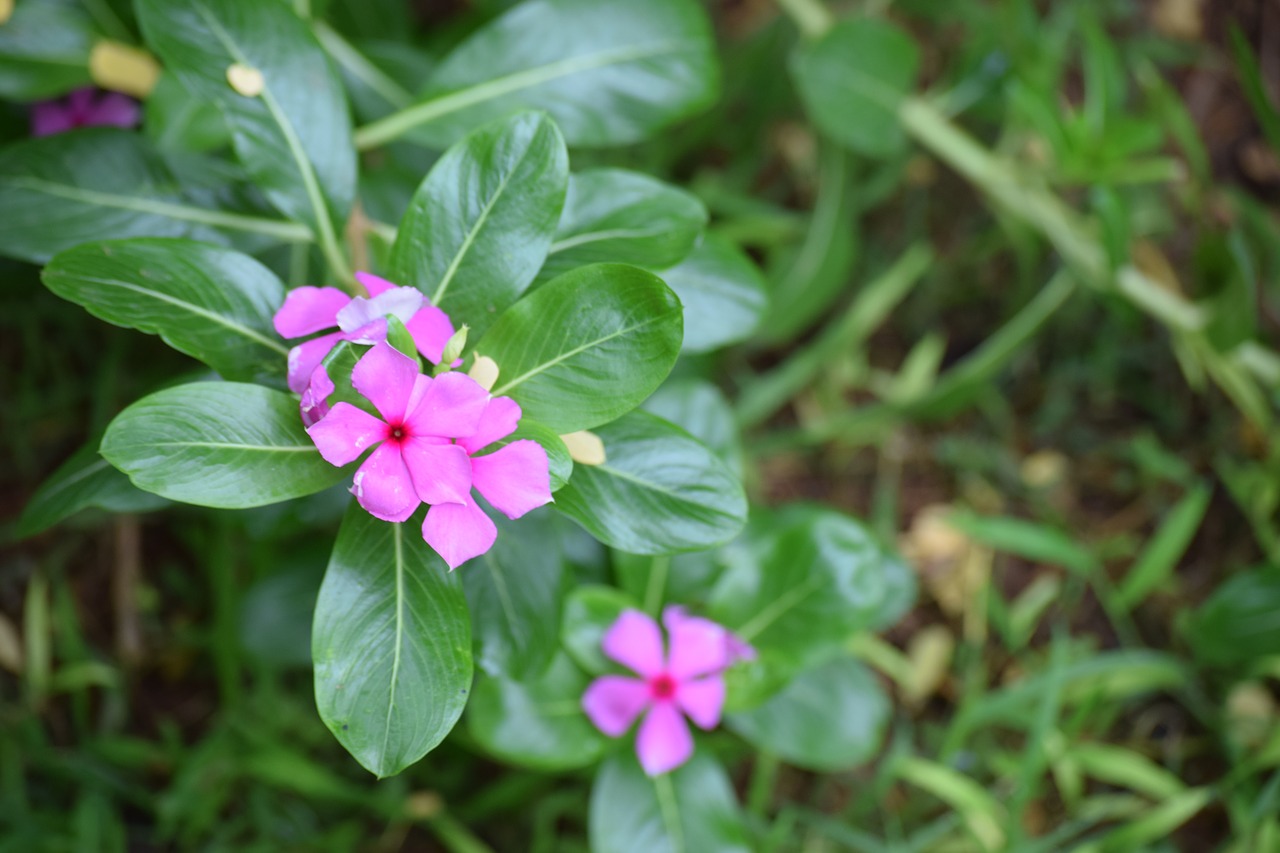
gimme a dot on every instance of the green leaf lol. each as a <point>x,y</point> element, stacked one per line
<point>625,217</point>
<point>275,613</point>
<point>853,79</point>
<point>1160,558</point>
<point>586,347</point>
<point>103,183</point>
<point>700,409</point>
<point>829,718</point>
<point>610,72</point>
<point>295,138</point>
<point>44,50</point>
<point>85,480</point>
<point>213,304</point>
<point>690,809</point>
<point>1039,543</point>
<point>178,121</point>
<point>588,613</point>
<point>802,582</point>
<point>723,294</point>
<point>1240,621</point>
<point>515,591</point>
<point>391,643</point>
<point>219,444</point>
<point>659,491</point>
<point>481,223</point>
<point>538,722</point>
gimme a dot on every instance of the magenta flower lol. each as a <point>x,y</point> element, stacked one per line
<point>414,459</point>
<point>687,680</point>
<point>86,107</point>
<point>514,479</point>
<point>307,310</point>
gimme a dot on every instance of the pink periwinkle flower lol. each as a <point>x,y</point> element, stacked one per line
<point>359,319</point>
<point>514,479</point>
<point>86,107</point>
<point>414,459</point>
<point>686,680</point>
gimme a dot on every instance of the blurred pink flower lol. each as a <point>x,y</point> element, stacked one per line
<point>687,680</point>
<point>415,460</point>
<point>361,320</point>
<point>514,479</point>
<point>86,107</point>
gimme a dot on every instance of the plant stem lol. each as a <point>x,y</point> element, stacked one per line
<point>763,777</point>
<point>360,67</point>
<point>810,16</point>
<point>670,811</point>
<point>657,585</point>
<point>455,836</point>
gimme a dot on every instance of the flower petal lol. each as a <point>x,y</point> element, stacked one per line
<point>664,742</point>
<point>383,485</point>
<point>375,284</point>
<point>402,302</point>
<point>314,404</point>
<point>306,357</point>
<point>48,118</point>
<point>441,471</point>
<point>498,420</point>
<point>515,479</point>
<point>635,641</point>
<point>369,333</point>
<point>613,702</point>
<point>114,109</point>
<point>458,532</point>
<point>386,376</point>
<point>346,432</point>
<point>309,309</point>
<point>698,646</point>
<point>450,407</point>
<point>702,700</point>
<point>431,330</point>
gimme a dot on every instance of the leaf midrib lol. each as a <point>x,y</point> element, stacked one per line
<point>606,234</point>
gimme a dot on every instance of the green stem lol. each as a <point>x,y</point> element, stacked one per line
<point>763,777</point>
<point>659,569</point>
<point>670,811</point>
<point>455,836</point>
<point>810,16</point>
<point>360,66</point>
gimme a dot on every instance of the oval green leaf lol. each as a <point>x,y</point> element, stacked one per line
<point>480,225</point>
<point>103,183</point>
<point>538,722</point>
<point>44,50</point>
<point>586,347</point>
<point>213,304</point>
<point>625,217</point>
<point>609,72</point>
<point>219,444</point>
<point>852,81</point>
<point>690,809</point>
<point>722,292</point>
<point>659,491</point>
<point>391,643</point>
<point>829,718</point>
<point>295,137</point>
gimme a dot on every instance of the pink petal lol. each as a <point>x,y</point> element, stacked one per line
<point>635,641</point>
<point>458,532</point>
<point>309,309</point>
<point>383,485</point>
<point>499,420</point>
<point>664,742</point>
<point>702,700</point>
<point>613,702</point>
<point>114,109</point>
<point>314,404</point>
<point>48,118</point>
<point>346,432</point>
<point>402,302</point>
<point>385,376</point>
<point>306,357</point>
<point>80,102</point>
<point>373,283</point>
<point>450,407</point>
<point>698,646</point>
<point>370,333</point>
<point>441,471</point>
<point>431,330</point>
<point>515,479</point>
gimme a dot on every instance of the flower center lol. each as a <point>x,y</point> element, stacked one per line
<point>662,686</point>
<point>397,432</point>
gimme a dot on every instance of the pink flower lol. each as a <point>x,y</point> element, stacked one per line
<point>414,459</point>
<point>86,107</point>
<point>514,479</point>
<point>362,320</point>
<point>687,680</point>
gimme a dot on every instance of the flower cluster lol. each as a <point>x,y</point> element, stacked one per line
<point>429,434</point>
<point>686,680</point>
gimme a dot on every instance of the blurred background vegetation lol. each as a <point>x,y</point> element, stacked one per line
<point>1035,356</point>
